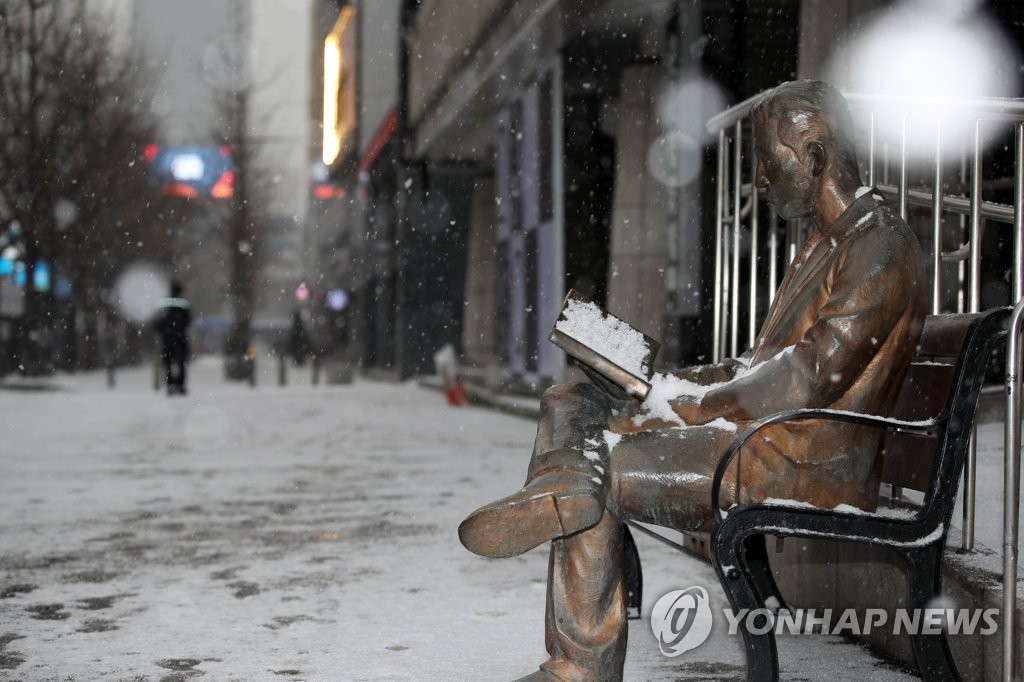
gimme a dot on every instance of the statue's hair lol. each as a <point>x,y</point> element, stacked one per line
<point>810,110</point>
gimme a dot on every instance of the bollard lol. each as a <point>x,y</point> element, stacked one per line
<point>316,370</point>
<point>282,370</point>
<point>156,372</point>
<point>249,365</point>
<point>112,377</point>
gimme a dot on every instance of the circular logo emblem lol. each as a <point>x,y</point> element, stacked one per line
<point>681,620</point>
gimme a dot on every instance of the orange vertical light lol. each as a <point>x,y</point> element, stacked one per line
<point>336,126</point>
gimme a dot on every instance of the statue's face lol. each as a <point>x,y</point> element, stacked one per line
<point>785,173</point>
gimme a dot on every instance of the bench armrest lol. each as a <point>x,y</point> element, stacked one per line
<point>799,415</point>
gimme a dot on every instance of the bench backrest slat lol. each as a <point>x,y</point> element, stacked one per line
<point>925,389</point>
<point>909,459</point>
<point>943,336</point>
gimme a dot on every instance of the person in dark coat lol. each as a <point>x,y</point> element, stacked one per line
<point>298,340</point>
<point>172,325</point>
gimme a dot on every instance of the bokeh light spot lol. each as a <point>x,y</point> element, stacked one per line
<point>140,290</point>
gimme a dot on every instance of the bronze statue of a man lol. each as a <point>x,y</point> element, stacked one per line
<point>840,334</point>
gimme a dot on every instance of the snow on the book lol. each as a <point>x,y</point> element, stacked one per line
<point>606,344</point>
<point>611,337</point>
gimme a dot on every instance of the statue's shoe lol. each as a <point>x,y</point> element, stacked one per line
<point>554,504</point>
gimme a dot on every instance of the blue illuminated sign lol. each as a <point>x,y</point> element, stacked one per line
<point>191,171</point>
<point>41,276</point>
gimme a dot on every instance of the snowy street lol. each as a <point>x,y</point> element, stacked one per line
<point>290,533</point>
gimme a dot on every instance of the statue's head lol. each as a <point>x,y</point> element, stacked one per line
<point>803,139</point>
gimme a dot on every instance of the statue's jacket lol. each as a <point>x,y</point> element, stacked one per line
<point>840,335</point>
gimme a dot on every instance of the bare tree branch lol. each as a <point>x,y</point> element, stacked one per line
<point>73,121</point>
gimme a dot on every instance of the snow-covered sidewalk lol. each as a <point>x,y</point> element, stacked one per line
<point>291,533</point>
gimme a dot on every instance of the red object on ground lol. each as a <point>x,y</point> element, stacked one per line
<point>456,394</point>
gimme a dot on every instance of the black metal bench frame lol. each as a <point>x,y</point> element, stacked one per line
<point>737,543</point>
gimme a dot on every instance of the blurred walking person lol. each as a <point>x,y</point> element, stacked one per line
<point>172,325</point>
<point>298,340</point>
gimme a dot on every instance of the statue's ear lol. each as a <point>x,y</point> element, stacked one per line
<point>818,156</point>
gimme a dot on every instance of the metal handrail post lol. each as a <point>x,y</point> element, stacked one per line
<point>754,247</point>
<point>719,217</point>
<point>737,186</point>
<point>937,225</point>
<point>1018,213</point>
<point>885,162</point>
<point>961,268</point>
<point>793,235</point>
<point>903,169</point>
<point>723,333</point>
<point>974,284</point>
<point>1011,441</point>
<point>1011,485</point>
<point>871,150</point>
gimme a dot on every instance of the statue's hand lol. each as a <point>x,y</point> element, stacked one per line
<point>688,409</point>
<point>609,387</point>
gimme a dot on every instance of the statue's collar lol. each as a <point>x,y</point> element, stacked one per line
<point>866,201</point>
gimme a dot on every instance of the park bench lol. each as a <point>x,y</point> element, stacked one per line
<point>924,449</point>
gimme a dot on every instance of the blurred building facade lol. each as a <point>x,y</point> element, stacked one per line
<point>542,145</point>
<point>498,156</point>
<point>394,237</point>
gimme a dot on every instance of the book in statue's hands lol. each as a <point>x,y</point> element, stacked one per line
<point>606,344</point>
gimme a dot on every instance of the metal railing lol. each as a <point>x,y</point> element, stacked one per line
<point>1011,488</point>
<point>942,195</point>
